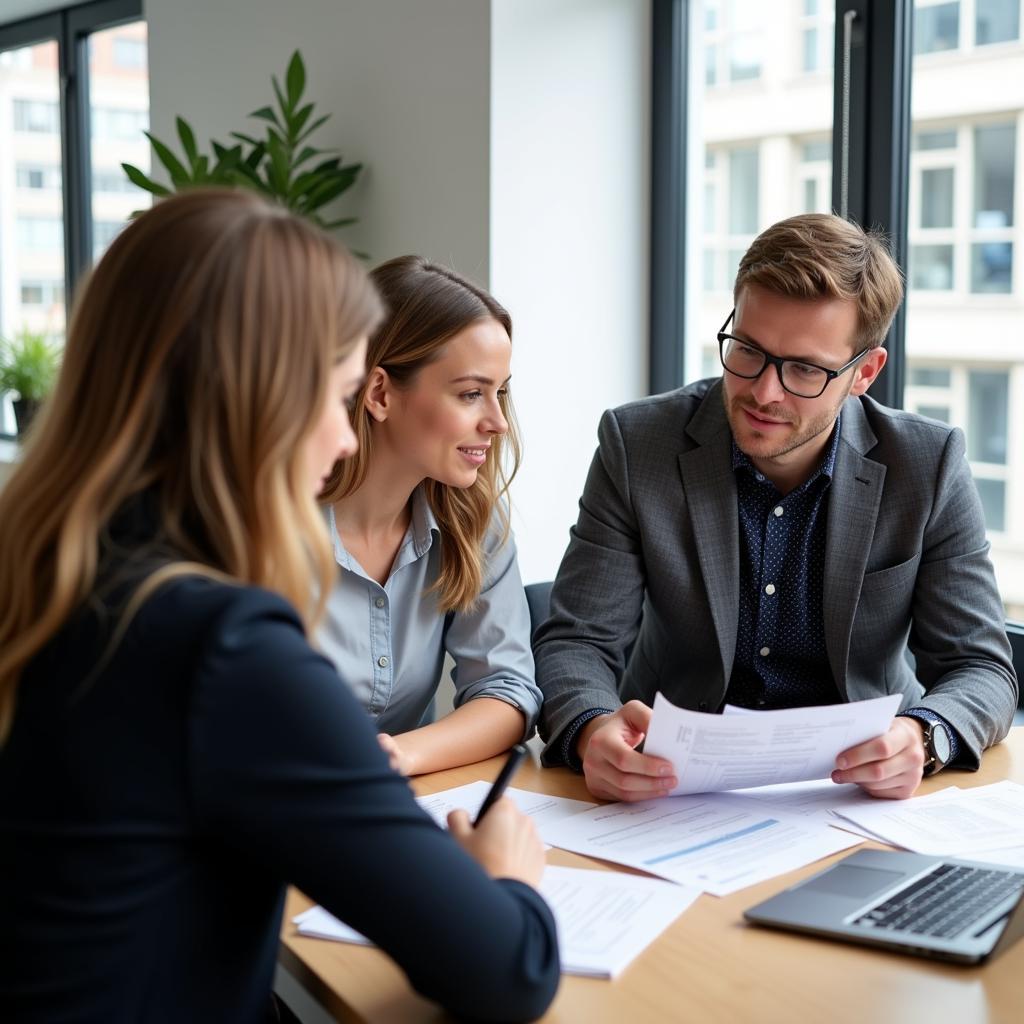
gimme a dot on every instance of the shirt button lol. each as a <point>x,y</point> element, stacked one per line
<point>383,661</point>
<point>770,589</point>
<point>765,651</point>
<point>759,477</point>
<point>778,510</point>
<point>379,602</point>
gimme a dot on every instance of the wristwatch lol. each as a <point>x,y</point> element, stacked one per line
<point>937,746</point>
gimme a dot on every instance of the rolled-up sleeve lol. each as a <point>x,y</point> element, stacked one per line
<point>490,644</point>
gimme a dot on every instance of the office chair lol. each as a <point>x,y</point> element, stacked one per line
<point>538,597</point>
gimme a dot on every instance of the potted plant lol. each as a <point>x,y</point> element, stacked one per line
<point>28,367</point>
<point>283,165</point>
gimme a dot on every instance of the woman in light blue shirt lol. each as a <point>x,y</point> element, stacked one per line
<point>420,528</point>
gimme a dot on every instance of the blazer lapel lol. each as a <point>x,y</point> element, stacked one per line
<point>856,492</point>
<point>709,485</point>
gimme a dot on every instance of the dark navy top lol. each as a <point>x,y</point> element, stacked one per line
<point>153,811</point>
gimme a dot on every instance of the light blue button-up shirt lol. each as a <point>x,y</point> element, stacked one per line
<point>389,642</point>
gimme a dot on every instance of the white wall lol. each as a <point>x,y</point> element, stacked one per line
<point>570,131</point>
<point>407,85</point>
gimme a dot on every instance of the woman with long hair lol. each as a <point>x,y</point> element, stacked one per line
<point>169,740</point>
<point>419,521</point>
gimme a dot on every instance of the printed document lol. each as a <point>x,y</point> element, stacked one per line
<point>604,918</point>
<point>542,808</point>
<point>819,799</point>
<point>718,842</point>
<point>953,822</point>
<point>712,753</point>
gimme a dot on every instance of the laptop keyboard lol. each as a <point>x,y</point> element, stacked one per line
<point>944,902</point>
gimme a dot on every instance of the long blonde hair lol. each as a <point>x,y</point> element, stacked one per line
<point>196,362</point>
<point>427,306</point>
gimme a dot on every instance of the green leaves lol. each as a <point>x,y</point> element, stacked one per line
<point>273,165</point>
<point>29,364</point>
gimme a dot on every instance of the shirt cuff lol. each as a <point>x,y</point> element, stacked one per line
<point>924,714</point>
<point>568,746</point>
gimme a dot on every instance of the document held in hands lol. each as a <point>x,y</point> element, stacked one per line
<point>712,753</point>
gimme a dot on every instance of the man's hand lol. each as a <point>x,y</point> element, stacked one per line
<point>890,766</point>
<point>614,770</point>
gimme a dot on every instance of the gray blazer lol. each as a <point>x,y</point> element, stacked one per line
<point>653,562</point>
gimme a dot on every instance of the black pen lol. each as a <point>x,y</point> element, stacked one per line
<point>508,769</point>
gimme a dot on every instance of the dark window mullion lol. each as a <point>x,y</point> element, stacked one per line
<point>75,142</point>
<point>669,60</point>
<point>79,23</point>
<point>879,144</point>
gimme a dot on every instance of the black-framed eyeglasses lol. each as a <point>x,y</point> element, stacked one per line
<point>805,380</point>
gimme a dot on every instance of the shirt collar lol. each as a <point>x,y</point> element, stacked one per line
<point>421,530</point>
<point>740,460</point>
<point>424,522</point>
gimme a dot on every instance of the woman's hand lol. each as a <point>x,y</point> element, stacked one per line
<point>400,761</point>
<point>505,843</point>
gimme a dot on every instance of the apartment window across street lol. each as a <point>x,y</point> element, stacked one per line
<point>41,117</point>
<point>941,25</point>
<point>963,183</point>
<point>63,194</point>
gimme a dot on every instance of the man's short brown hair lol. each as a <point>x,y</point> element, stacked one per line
<point>819,255</point>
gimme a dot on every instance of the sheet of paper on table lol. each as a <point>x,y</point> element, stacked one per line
<point>816,798</point>
<point>714,753</point>
<point>953,822</point>
<point>543,809</point>
<point>718,842</point>
<point>605,919</point>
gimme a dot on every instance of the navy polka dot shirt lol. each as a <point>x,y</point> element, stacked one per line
<point>781,660</point>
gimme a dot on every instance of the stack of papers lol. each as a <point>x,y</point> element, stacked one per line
<point>604,918</point>
<point>953,822</point>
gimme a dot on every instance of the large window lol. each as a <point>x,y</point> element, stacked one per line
<point>965,319</point>
<point>63,195</point>
<point>765,152</point>
<point>936,128</point>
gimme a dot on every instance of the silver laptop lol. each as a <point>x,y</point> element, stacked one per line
<point>959,910</point>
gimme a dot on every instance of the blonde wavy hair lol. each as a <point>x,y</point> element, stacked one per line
<point>428,305</point>
<point>196,363</point>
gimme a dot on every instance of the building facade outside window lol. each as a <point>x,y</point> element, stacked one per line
<point>32,185</point>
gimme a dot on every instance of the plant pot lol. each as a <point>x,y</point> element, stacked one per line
<point>25,410</point>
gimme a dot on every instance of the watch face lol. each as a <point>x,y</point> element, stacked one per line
<point>940,743</point>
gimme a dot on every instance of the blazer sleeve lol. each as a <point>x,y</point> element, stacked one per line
<point>958,636</point>
<point>271,780</point>
<point>597,598</point>
<point>490,643</point>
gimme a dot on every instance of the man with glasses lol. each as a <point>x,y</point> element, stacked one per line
<point>775,538</point>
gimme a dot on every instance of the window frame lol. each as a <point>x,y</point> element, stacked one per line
<point>70,27</point>
<point>878,164</point>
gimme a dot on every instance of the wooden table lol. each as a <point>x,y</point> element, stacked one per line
<point>709,965</point>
